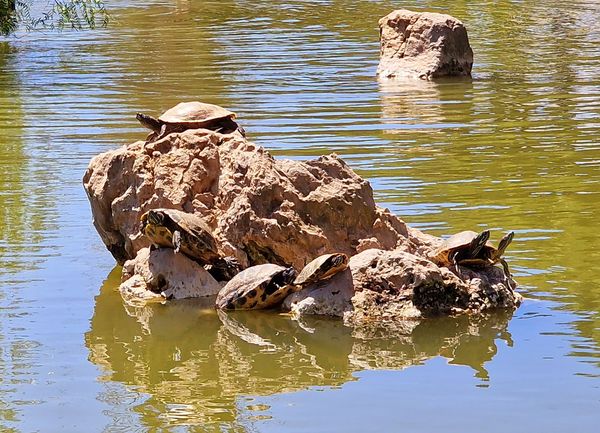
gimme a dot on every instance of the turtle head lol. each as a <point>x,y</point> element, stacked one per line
<point>504,243</point>
<point>479,242</point>
<point>155,217</point>
<point>285,277</point>
<point>143,222</point>
<point>339,261</point>
<point>149,122</point>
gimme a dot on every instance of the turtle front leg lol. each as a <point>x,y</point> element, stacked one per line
<point>507,274</point>
<point>455,262</point>
<point>177,241</point>
<point>162,133</point>
<point>241,130</point>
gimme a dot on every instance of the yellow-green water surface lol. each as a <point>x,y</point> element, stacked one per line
<point>515,148</point>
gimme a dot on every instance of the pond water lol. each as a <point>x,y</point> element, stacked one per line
<point>515,148</point>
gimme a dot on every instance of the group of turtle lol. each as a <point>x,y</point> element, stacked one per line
<point>257,287</point>
<point>266,285</point>
<point>472,249</point>
<point>260,286</point>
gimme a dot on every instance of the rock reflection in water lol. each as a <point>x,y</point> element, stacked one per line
<point>198,366</point>
<point>409,105</point>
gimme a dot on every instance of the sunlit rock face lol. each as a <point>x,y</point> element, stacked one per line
<point>423,45</point>
<point>162,274</point>
<point>263,210</point>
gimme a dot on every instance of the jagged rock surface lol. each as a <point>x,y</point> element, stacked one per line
<point>262,210</point>
<point>423,45</point>
<point>329,298</point>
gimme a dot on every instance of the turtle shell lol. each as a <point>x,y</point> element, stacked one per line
<point>457,243</point>
<point>195,114</point>
<point>197,241</point>
<point>322,268</point>
<point>257,287</point>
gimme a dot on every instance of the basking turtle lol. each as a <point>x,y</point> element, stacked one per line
<point>322,268</point>
<point>473,249</point>
<point>489,255</point>
<point>188,233</point>
<point>258,287</point>
<point>460,246</point>
<point>189,115</point>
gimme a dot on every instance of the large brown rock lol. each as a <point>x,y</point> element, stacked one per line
<point>260,209</point>
<point>423,45</point>
<point>279,211</point>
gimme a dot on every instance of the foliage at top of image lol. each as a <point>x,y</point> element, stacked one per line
<point>74,14</point>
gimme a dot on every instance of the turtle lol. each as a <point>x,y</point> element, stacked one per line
<point>466,244</point>
<point>322,268</point>
<point>257,287</point>
<point>189,234</point>
<point>472,249</point>
<point>189,115</point>
<point>489,255</point>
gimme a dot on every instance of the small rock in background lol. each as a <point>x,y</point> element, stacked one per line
<point>423,45</point>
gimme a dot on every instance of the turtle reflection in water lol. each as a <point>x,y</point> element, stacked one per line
<point>189,234</point>
<point>473,249</point>
<point>190,115</point>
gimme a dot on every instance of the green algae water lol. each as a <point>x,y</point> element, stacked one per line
<point>515,148</point>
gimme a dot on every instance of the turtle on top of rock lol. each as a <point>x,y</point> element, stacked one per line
<point>392,265</point>
<point>472,249</point>
<point>322,268</point>
<point>190,115</point>
<point>267,285</point>
<point>188,233</point>
<point>257,287</point>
